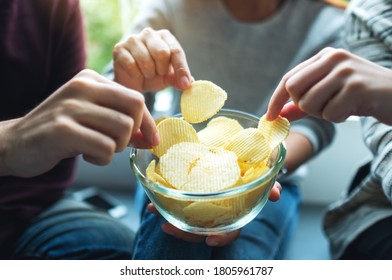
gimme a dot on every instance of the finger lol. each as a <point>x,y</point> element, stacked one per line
<point>135,108</point>
<point>108,94</point>
<point>121,99</point>
<point>317,97</point>
<point>95,147</point>
<point>159,51</point>
<point>151,208</point>
<point>222,239</point>
<point>149,128</point>
<point>122,59</point>
<point>171,79</point>
<point>189,237</point>
<point>178,61</point>
<point>121,77</point>
<point>277,101</point>
<point>342,101</point>
<point>300,83</point>
<point>111,123</point>
<point>275,192</point>
<point>87,78</point>
<point>138,141</point>
<point>142,57</point>
<point>281,95</point>
<point>339,108</point>
<point>291,112</point>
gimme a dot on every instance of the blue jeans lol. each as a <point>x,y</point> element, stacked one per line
<point>266,237</point>
<point>72,230</point>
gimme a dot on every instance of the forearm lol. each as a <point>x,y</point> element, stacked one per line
<point>4,146</point>
<point>299,150</point>
<point>382,105</point>
<point>307,138</point>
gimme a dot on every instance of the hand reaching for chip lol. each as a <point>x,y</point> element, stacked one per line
<point>212,240</point>
<point>151,61</point>
<point>333,85</point>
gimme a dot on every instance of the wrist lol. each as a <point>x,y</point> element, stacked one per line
<point>4,128</point>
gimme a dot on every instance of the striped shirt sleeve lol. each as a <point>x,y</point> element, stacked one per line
<point>369,34</point>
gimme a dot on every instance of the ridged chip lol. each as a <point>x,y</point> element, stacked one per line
<point>204,213</point>
<point>154,176</point>
<point>193,167</point>
<point>249,145</point>
<point>274,131</point>
<point>178,161</point>
<point>173,131</point>
<point>201,101</point>
<point>215,171</point>
<point>244,167</point>
<point>254,172</point>
<point>218,131</point>
<point>236,205</point>
<point>158,120</point>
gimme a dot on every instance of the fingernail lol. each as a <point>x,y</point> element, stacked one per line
<point>268,116</point>
<point>155,139</point>
<point>184,82</point>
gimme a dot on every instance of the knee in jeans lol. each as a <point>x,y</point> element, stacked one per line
<point>93,237</point>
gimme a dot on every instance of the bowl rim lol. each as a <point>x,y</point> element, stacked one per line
<point>146,182</point>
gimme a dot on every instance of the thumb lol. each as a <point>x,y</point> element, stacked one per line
<point>291,112</point>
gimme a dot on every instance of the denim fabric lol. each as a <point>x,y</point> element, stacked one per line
<point>266,237</point>
<point>72,230</point>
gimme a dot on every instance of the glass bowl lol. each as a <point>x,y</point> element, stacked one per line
<point>210,213</point>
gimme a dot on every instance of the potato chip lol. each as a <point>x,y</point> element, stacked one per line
<point>218,131</point>
<point>204,213</point>
<point>174,206</point>
<point>150,171</point>
<point>254,172</point>
<point>154,176</point>
<point>238,206</point>
<point>214,171</point>
<point>178,161</point>
<point>249,145</point>
<point>274,131</point>
<point>244,167</point>
<point>201,101</point>
<point>158,120</point>
<point>227,218</point>
<point>173,131</point>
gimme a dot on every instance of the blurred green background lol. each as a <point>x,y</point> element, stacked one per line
<point>105,21</point>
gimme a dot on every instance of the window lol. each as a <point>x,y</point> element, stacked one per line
<point>105,22</point>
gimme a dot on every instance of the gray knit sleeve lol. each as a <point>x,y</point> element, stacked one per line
<point>319,132</point>
<point>378,137</point>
